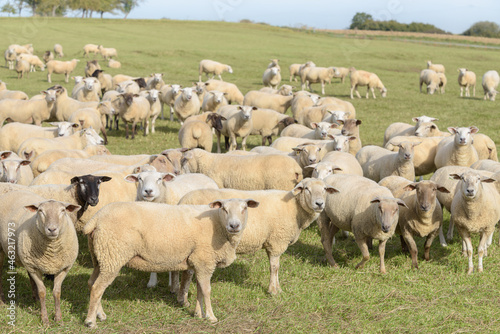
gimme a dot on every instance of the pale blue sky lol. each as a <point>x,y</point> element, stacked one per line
<point>451,15</point>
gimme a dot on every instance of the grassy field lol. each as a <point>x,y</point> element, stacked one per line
<point>438,298</point>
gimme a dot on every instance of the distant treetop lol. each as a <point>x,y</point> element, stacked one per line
<point>364,21</point>
<point>483,29</point>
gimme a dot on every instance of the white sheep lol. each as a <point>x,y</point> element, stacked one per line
<point>10,56</point>
<point>22,68</point>
<point>442,82</point>
<point>301,101</point>
<point>114,63</point>
<point>485,147</point>
<point>368,79</point>
<point>88,48</point>
<point>213,101</point>
<point>431,80</point>
<point>271,77</point>
<point>92,117</point>
<point>233,94</point>
<point>342,73</point>
<point>186,104</point>
<point>466,79</point>
<point>423,215</point>
<point>168,94</point>
<point>88,90</point>
<point>65,105</point>
<point>315,74</point>
<point>438,68</point>
<point>134,109</point>
<point>351,129</point>
<point>277,223</point>
<point>405,129</point>
<point>214,68</point>
<point>208,238</point>
<point>336,162</point>
<point>33,60</point>
<point>46,241</point>
<point>489,165</point>
<point>269,123</point>
<point>198,133</point>
<point>336,143</point>
<point>61,67</point>
<point>14,169</point>
<point>475,209</point>
<point>490,82</point>
<point>334,103</point>
<point>263,100</point>
<point>91,67</point>
<point>152,96</point>
<point>129,86</point>
<point>320,130</point>
<point>245,172</point>
<point>368,210</point>
<point>378,162</point>
<point>28,111</point>
<point>284,90</point>
<point>106,80</point>
<point>154,81</point>
<point>58,50</point>
<point>238,123</point>
<point>107,52</point>
<point>27,48</point>
<point>11,94</point>
<point>457,150</point>
<point>274,63</point>
<point>200,89</point>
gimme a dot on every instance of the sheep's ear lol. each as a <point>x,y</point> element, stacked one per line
<point>240,108</point>
<point>455,176</point>
<point>5,155</point>
<point>337,168</point>
<point>75,180</point>
<point>223,118</point>
<point>297,149</point>
<point>340,122</point>
<point>24,162</point>
<point>401,203</point>
<point>298,189</point>
<point>351,138</point>
<point>105,178</point>
<point>31,208</point>
<point>375,200</point>
<point>254,108</point>
<point>215,204</point>
<point>331,190</point>
<point>334,125</point>
<point>28,155</point>
<point>415,119</point>
<point>72,207</point>
<point>433,126</point>
<point>410,187</point>
<point>136,95</point>
<point>44,92</point>
<point>252,203</point>
<point>473,129</point>
<point>358,122</point>
<point>487,179</point>
<point>452,130</point>
<point>182,150</point>
<point>416,144</point>
<point>443,190</point>
<point>314,125</point>
<point>131,178</point>
<point>167,177</point>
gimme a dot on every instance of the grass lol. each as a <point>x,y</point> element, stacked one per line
<point>439,297</point>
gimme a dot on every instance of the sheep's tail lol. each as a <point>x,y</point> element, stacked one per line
<point>197,133</point>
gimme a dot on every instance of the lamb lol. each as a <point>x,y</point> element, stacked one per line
<point>276,224</point>
<point>198,133</point>
<point>78,141</point>
<point>22,68</point>
<point>424,153</point>
<point>155,106</point>
<point>422,215</point>
<point>475,209</point>
<point>186,105</point>
<point>274,63</point>
<point>13,134</point>
<point>88,48</point>
<point>378,162</point>
<point>14,169</point>
<point>213,101</point>
<point>442,82</point>
<point>336,115</point>
<point>342,73</point>
<point>107,52</point>
<point>238,123</point>
<point>168,94</point>
<point>58,50</point>
<point>46,241</point>
<point>351,129</point>
<point>294,71</point>
<point>268,101</point>
<point>405,129</point>
<point>233,94</point>
<point>363,207</point>
<point>114,63</point>
<point>208,238</point>
<point>10,56</point>
<point>245,172</point>
<point>214,68</point>
<point>466,79</point>
<point>370,80</point>
<point>48,56</point>
<point>134,109</point>
<point>33,60</point>
<point>457,150</point>
<point>91,67</point>
<point>11,94</point>
<point>200,90</point>
<point>42,162</point>
<point>438,68</point>
<point>285,90</point>
<point>106,80</point>
<point>320,130</point>
<point>271,77</point>
<point>87,91</point>
<point>269,123</point>
<point>315,74</point>
<point>35,111</point>
<point>61,67</point>
<point>490,82</point>
<point>431,80</point>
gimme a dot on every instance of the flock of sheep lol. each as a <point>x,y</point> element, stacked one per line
<point>189,210</point>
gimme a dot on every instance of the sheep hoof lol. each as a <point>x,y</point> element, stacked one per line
<point>470,271</point>
<point>101,316</point>
<point>213,319</point>
<point>444,244</point>
<point>90,324</point>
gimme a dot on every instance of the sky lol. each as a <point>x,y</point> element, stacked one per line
<point>454,16</point>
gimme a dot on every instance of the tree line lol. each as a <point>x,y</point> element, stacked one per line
<point>62,7</point>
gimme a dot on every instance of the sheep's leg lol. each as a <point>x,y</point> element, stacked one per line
<point>468,247</point>
<point>357,93</point>
<point>274,266</point>
<point>461,91</point>
<point>218,141</point>
<point>49,79</point>
<point>103,131</point>
<point>381,251</point>
<point>442,240</point>
<point>153,280</point>
<point>172,111</point>
<point>291,76</point>
<point>153,121</point>
<point>323,87</point>
<point>116,122</point>
<point>220,78</point>
<point>328,231</point>
<point>427,245</point>
<point>96,292</point>
<point>490,241</point>
<point>412,246</point>
<point>182,294</point>
<point>482,249</point>
<point>145,125</point>
<point>449,235</point>
<point>174,281</point>
<point>126,131</point>
<point>342,80</point>
<point>352,90</point>
<point>38,279</point>
<point>264,140</point>
<point>204,290</point>
<point>363,247</point>
<point>404,246</point>
<point>234,145</point>
<point>270,140</point>
<point>244,143</point>
<point>66,77</point>
<point>57,293</point>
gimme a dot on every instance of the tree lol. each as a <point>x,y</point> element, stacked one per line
<point>126,6</point>
<point>8,8</point>
<point>484,29</point>
<point>359,20</point>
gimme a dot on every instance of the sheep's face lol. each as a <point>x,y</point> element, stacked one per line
<point>431,88</point>
<point>65,129</point>
<point>149,183</point>
<point>176,89</point>
<point>156,77</point>
<point>77,79</point>
<point>12,170</point>
<point>153,95</point>
<point>406,151</point>
<point>387,212</point>
<point>383,92</point>
<point>426,130</point>
<point>323,169</point>
<point>50,95</point>
<point>338,115</point>
<point>470,183</point>
<point>233,213</point>
<point>189,163</point>
<point>246,112</point>
<point>323,129</point>
<point>461,71</point>
<point>315,99</point>
<point>335,72</point>
<point>229,69</point>
<point>218,96</point>
<point>491,95</point>
<point>308,154</point>
<point>351,127</point>
<point>340,142</point>
<point>274,71</point>
<point>426,192</point>
<point>52,217</point>
<point>311,193</point>
<point>89,83</point>
<point>174,157</point>
<point>463,136</point>
<point>187,93</point>
<point>106,107</point>
<point>92,137</point>
<point>102,150</point>
<point>423,119</point>
<point>286,90</point>
<point>88,187</point>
